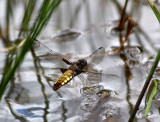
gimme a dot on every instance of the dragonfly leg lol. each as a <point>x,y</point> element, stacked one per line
<point>67,61</point>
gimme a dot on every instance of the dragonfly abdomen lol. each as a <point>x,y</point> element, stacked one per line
<point>64,79</point>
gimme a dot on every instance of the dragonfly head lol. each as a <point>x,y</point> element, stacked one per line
<point>82,63</point>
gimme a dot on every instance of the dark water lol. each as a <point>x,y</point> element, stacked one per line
<point>79,28</point>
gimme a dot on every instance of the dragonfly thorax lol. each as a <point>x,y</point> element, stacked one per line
<point>78,65</point>
<point>81,63</point>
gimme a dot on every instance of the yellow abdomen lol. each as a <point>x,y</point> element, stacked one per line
<point>65,78</point>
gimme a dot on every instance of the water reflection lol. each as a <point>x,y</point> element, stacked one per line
<point>30,97</point>
<point>100,108</point>
<point>30,112</point>
<point>90,97</point>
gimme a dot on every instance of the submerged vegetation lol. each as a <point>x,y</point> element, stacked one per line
<point>101,103</point>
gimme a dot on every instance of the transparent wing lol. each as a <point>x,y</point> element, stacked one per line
<point>97,76</point>
<point>52,74</point>
<point>51,61</point>
<point>93,77</point>
<point>45,53</point>
<point>50,77</point>
<point>96,57</point>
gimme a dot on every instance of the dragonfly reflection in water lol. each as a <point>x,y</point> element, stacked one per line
<point>75,68</point>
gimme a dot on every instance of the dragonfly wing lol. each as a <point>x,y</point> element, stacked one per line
<point>90,78</point>
<point>51,77</point>
<point>45,53</point>
<point>96,57</point>
<point>84,80</point>
<point>49,74</point>
<point>109,77</point>
<point>93,77</point>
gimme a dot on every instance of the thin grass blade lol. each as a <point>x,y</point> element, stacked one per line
<point>18,57</point>
<point>155,10</point>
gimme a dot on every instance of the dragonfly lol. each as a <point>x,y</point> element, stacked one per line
<point>76,68</point>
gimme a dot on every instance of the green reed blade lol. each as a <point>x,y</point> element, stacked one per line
<point>147,82</point>
<point>151,96</point>
<point>156,12</point>
<point>27,17</point>
<point>43,17</point>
